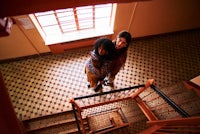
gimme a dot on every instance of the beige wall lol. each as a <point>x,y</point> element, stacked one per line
<point>146,18</point>
<point>163,16</point>
<point>154,17</point>
<point>21,42</point>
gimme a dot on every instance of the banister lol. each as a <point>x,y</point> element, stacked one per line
<point>108,92</point>
<point>76,117</point>
<point>126,96</point>
<point>170,102</point>
<point>140,90</point>
<point>176,121</point>
<point>148,113</point>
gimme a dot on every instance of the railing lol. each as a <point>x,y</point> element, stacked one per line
<point>189,125</point>
<point>99,99</point>
<point>170,102</point>
<point>107,97</point>
<point>82,103</point>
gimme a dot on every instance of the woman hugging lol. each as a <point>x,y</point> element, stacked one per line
<point>98,66</point>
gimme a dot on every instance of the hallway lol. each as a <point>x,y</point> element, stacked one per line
<point>42,84</point>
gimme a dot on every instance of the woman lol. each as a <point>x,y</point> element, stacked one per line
<point>121,44</point>
<point>97,66</point>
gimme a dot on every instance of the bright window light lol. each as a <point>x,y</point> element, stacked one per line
<point>74,23</point>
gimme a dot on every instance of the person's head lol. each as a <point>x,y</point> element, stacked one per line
<point>104,47</point>
<point>123,40</point>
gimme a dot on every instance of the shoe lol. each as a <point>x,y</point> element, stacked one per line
<point>88,85</point>
<point>105,82</point>
<point>108,83</point>
<point>99,87</point>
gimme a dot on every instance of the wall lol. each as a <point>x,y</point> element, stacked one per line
<point>152,17</point>
<point>21,42</point>
<point>143,18</point>
<point>9,123</point>
<point>163,16</point>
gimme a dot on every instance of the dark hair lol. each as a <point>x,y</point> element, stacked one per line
<point>106,44</point>
<point>126,35</point>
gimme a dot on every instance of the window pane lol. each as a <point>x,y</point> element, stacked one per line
<point>46,18</point>
<point>102,23</point>
<point>66,19</point>
<point>65,15</point>
<point>69,20</point>
<point>68,28</point>
<point>52,30</point>
<point>84,12</point>
<point>85,17</point>
<point>102,15</point>
<point>43,13</point>
<point>83,24</point>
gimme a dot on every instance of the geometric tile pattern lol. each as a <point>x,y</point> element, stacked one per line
<point>42,85</point>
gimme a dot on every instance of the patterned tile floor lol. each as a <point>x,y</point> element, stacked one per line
<point>41,85</point>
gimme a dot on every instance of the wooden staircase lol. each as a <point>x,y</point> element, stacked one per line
<point>188,98</point>
<point>189,125</point>
<point>143,107</point>
<point>62,123</point>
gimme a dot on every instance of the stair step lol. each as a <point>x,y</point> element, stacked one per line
<point>49,121</point>
<point>65,128</point>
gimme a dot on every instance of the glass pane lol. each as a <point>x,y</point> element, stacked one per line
<point>103,10</point>
<point>85,24</point>
<point>65,13</point>
<point>67,27</point>
<point>43,13</point>
<point>66,19</point>
<point>85,17</point>
<point>47,20</point>
<point>84,12</point>
<point>103,5</point>
<point>52,30</point>
<point>63,20</point>
<point>102,15</point>
<point>103,22</point>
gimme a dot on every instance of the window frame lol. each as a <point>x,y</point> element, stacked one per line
<point>79,34</point>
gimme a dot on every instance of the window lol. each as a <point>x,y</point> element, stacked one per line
<point>74,23</point>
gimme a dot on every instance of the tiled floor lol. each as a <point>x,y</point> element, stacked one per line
<point>41,85</point>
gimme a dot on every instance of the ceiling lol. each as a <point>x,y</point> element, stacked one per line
<point>9,8</point>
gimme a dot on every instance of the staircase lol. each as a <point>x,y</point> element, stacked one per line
<point>178,125</point>
<point>142,111</point>
<point>186,99</point>
<point>60,123</point>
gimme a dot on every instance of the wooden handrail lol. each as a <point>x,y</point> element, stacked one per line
<point>140,90</point>
<point>177,125</point>
<point>104,103</point>
<point>80,108</point>
<point>151,129</point>
<point>148,113</point>
<point>170,102</point>
<point>155,124</point>
<point>71,100</point>
<point>127,97</point>
<point>192,86</point>
<point>176,121</point>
